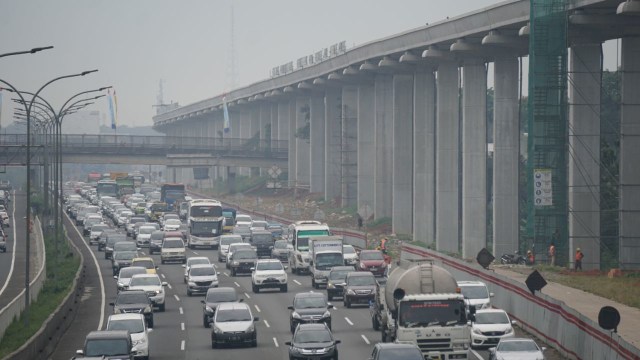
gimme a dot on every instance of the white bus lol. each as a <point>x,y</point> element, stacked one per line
<point>205,221</point>
<point>299,234</point>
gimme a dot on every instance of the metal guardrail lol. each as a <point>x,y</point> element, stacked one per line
<point>13,309</point>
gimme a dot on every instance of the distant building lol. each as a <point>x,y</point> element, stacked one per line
<point>82,122</point>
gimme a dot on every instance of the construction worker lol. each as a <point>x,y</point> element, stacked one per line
<point>530,257</point>
<point>552,254</point>
<point>383,245</point>
<point>579,257</point>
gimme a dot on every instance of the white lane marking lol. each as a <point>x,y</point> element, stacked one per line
<point>477,354</point>
<point>195,253</point>
<point>182,326</point>
<point>226,273</point>
<point>169,285</point>
<point>349,321</point>
<point>247,295</point>
<point>275,341</point>
<point>257,308</point>
<point>267,324</point>
<point>164,277</point>
<point>95,261</point>
<point>142,253</point>
<point>13,251</point>
<point>176,296</point>
<point>182,345</point>
<point>365,339</point>
<point>296,281</point>
<point>238,285</point>
<point>181,311</point>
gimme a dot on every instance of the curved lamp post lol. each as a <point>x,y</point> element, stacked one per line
<point>32,51</point>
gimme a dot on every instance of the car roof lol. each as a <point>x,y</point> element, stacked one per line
<point>268,261</point>
<point>360,274</point>
<point>312,326</point>
<point>142,258</point>
<point>199,266</point>
<point>233,306</point>
<point>131,292</point>
<point>516,339</point>
<point>494,310</point>
<point>309,294</point>
<point>128,316</point>
<point>108,334</point>
<point>198,258</point>
<point>342,268</point>
<point>221,289</point>
<point>145,276</point>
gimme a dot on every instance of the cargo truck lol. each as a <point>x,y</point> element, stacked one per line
<point>325,252</point>
<point>172,194</point>
<point>422,304</point>
<point>299,234</point>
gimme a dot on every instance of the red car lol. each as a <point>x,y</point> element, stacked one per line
<point>372,260</point>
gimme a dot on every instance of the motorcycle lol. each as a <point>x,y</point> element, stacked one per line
<point>514,258</point>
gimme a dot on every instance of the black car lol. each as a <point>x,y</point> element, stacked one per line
<point>112,239</point>
<point>336,280</point>
<point>313,341</point>
<point>155,241</point>
<point>134,301</point>
<point>122,259</point>
<point>359,288</point>
<point>262,241</point>
<point>242,261</point>
<point>309,307</point>
<point>214,297</point>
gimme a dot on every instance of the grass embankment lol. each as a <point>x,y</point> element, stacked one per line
<point>62,266</point>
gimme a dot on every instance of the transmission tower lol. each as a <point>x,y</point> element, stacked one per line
<point>232,74</point>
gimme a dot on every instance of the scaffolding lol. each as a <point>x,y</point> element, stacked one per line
<point>348,156</point>
<point>547,119</point>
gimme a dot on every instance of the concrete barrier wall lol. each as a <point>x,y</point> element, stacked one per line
<point>43,343</point>
<point>13,309</point>
<point>560,326</point>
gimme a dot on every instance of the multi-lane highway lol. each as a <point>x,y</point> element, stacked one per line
<point>12,265</point>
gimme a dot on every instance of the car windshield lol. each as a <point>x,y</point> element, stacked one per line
<point>233,315</point>
<point>173,244</point>
<point>419,313</point>
<point>312,336</point>
<point>280,244</point>
<point>244,254</point>
<point>339,274</point>
<point>400,353</point>
<point>230,240</point>
<point>262,238</point>
<point>130,271</point>
<point>125,245</point>
<point>125,255</point>
<point>307,302</point>
<point>271,265</point>
<point>327,261</point>
<point>243,218</point>
<point>145,281</point>
<point>147,264</point>
<point>361,280</point>
<point>172,222</point>
<point>347,249</point>
<point>475,291</point>
<point>492,318</point>
<point>107,347</point>
<point>373,255</point>
<point>196,261</point>
<point>146,229</point>
<point>157,235</point>
<point>221,296</point>
<point>133,325</point>
<point>204,228</point>
<point>303,237</point>
<point>132,298</point>
<point>202,271</point>
<point>524,345</point>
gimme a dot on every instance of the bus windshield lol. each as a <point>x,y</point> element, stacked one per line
<point>302,242</point>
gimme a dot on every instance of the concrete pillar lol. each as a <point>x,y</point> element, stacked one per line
<point>474,160</point>
<point>302,144</point>
<point>333,132</point>
<point>234,122</point>
<point>424,118</point>
<point>447,162</point>
<point>383,201</point>
<point>291,124</point>
<point>506,157</point>
<point>584,151</point>
<point>349,146</point>
<point>402,211</point>
<point>629,150</point>
<point>245,135</point>
<point>274,123</point>
<point>317,145</point>
<point>366,147</point>
<point>255,128</point>
<point>265,121</point>
<point>283,121</point>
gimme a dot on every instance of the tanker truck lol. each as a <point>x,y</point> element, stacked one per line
<point>422,304</point>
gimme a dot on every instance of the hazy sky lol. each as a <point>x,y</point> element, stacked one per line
<point>135,43</point>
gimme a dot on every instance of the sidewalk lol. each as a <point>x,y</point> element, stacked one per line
<point>587,304</point>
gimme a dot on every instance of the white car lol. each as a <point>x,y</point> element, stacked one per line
<point>138,331</point>
<point>194,260</point>
<point>245,220</point>
<point>96,230</point>
<point>171,225</point>
<point>151,284</point>
<point>476,293</point>
<point>144,235</point>
<point>350,255</point>
<point>269,273</point>
<point>124,276</point>
<point>173,250</point>
<point>225,241</point>
<point>490,326</point>
<point>517,349</point>
<point>201,278</point>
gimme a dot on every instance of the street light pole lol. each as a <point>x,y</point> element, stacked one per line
<point>32,51</point>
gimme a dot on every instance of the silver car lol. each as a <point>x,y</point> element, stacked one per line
<point>233,323</point>
<point>517,349</point>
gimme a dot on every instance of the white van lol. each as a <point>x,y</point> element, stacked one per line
<point>476,293</point>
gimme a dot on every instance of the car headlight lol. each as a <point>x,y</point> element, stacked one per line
<point>217,330</point>
<point>116,264</point>
<point>351,292</point>
<point>295,315</point>
<point>158,292</point>
<point>508,331</point>
<point>363,266</point>
<point>139,342</point>
<point>147,309</point>
<point>250,329</point>
<point>120,285</point>
<point>191,283</point>
<point>326,314</point>
<point>477,331</point>
<point>236,263</point>
<point>117,310</point>
<point>330,286</point>
<point>208,309</point>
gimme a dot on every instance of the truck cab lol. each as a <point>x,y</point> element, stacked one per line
<point>325,253</point>
<point>299,234</point>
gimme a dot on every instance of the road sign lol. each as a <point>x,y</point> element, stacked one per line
<point>274,172</point>
<point>542,187</point>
